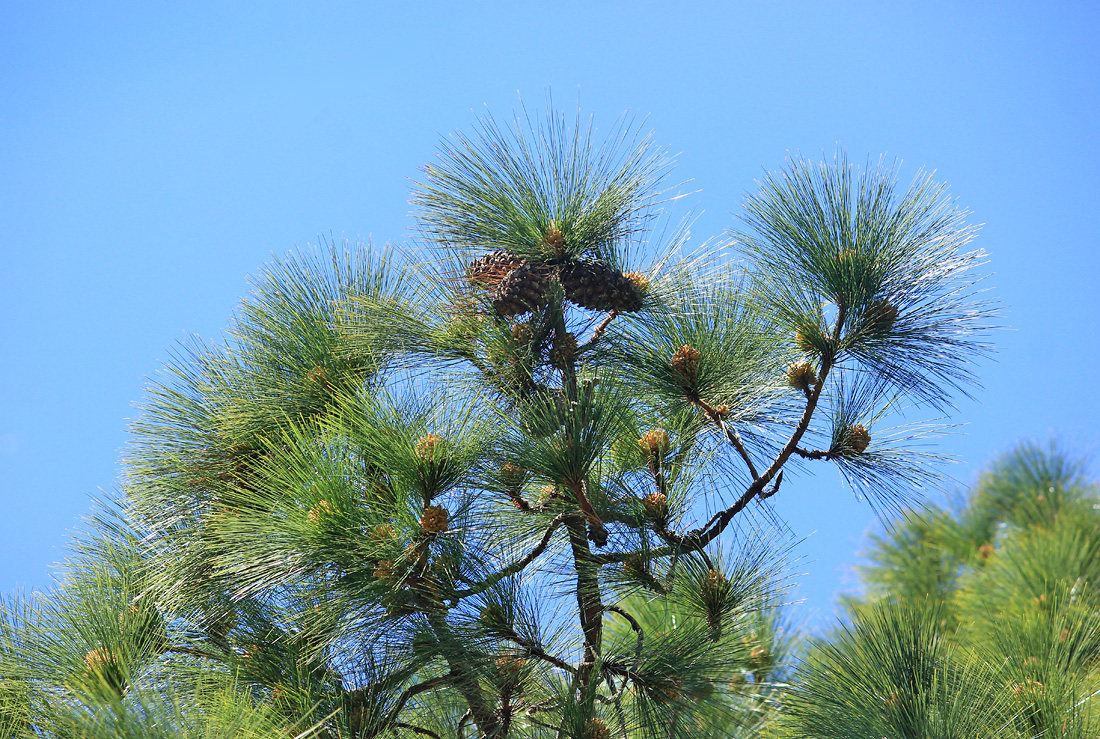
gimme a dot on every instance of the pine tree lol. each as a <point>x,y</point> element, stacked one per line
<point>489,490</point>
<point>979,620</point>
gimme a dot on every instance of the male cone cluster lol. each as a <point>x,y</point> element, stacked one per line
<point>801,376</point>
<point>518,285</point>
<point>433,520</point>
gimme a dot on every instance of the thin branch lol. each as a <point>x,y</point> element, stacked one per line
<point>735,439</point>
<point>731,433</point>
<point>598,332</point>
<point>418,730</point>
<point>541,723</point>
<point>461,731</point>
<point>534,650</point>
<point>517,566</point>
<point>637,629</point>
<point>415,690</point>
<point>814,454</point>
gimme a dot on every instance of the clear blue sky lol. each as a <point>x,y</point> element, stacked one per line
<point>153,154</point>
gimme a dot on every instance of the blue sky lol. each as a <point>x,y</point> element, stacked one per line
<point>152,155</point>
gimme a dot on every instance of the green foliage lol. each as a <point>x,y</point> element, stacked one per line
<point>894,673</point>
<point>489,493</point>
<point>1009,580</point>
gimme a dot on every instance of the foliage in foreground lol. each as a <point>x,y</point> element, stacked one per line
<point>491,494</point>
<point>981,621</point>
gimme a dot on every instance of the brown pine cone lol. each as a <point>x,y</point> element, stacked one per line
<point>856,439</point>
<point>880,316</point>
<point>489,270</point>
<point>598,286</point>
<point>563,349</point>
<point>522,290</point>
<point>596,729</point>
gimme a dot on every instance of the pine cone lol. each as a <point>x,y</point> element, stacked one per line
<point>633,567</point>
<point>810,339</point>
<point>598,286</point>
<point>523,290</point>
<point>563,349</point>
<point>801,375</point>
<point>654,444</point>
<point>489,270</point>
<point>104,673</point>
<point>656,506</point>
<point>596,729</point>
<point>321,509</point>
<point>512,477</point>
<point>641,282</point>
<point>383,532</point>
<point>434,519</point>
<point>426,447</point>
<point>554,238</point>
<point>385,572</point>
<point>522,333</point>
<point>685,364</point>
<point>856,439</point>
<point>713,585</point>
<point>880,316</point>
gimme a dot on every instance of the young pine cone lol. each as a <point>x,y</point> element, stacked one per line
<point>856,439</point>
<point>801,376</point>
<point>685,364</point>
<point>596,729</point>
<point>654,444</point>
<point>554,238</point>
<point>713,585</point>
<point>522,290</point>
<point>563,349</point>
<point>427,448</point>
<point>598,286</point>
<point>512,477</point>
<point>641,282</point>
<point>879,317</point>
<point>656,506</point>
<point>383,532</point>
<point>434,519</point>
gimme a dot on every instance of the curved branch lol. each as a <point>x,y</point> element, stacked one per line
<point>516,566</point>
<point>696,540</point>
<point>415,690</point>
<point>534,650</point>
<point>637,629</point>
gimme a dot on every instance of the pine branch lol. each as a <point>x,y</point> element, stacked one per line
<point>517,566</point>
<point>637,630</point>
<point>417,730</point>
